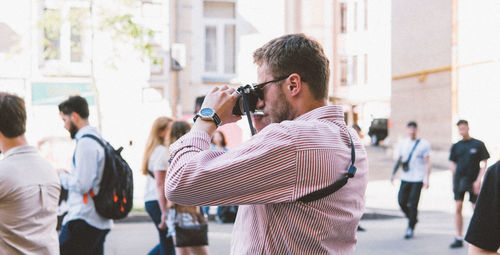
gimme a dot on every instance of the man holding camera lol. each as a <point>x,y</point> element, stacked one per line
<point>302,146</point>
<point>414,156</point>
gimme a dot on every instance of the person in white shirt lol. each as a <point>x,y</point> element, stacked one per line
<point>154,167</point>
<point>84,230</point>
<point>414,155</point>
<point>29,187</point>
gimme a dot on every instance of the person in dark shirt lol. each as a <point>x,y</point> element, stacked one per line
<point>466,156</point>
<point>484,228</point>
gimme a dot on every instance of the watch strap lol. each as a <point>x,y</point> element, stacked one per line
<point>215,118</point>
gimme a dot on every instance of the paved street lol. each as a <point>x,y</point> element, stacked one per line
<point>139,238</point>
<point>433,234</point>
<point>384,236</point>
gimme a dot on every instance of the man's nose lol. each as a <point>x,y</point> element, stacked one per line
<point>260,104</point>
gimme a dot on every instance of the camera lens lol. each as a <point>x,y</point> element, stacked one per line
<point>251,97</point>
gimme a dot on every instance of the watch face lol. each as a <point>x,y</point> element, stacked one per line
<point>206,112</point>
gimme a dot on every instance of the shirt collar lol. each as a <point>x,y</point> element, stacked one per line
<point>85,130</point>
<point>19,149</point>
<point>335,112</point>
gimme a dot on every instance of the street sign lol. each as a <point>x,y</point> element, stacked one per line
<point>53,93</point>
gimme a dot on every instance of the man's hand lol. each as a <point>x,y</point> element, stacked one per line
<point>426,184</point>
<point>392,180</point>
<point>222,100</point>
<point>162,224</point>
<point>476,186</point>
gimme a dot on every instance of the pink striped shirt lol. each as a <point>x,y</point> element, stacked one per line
<point>267,174</point>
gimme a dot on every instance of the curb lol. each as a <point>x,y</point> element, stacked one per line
<point>370,214</point>
<point>380,214</point>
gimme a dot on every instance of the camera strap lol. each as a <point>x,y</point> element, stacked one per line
<point>337,184</point>
<point>247,111</point>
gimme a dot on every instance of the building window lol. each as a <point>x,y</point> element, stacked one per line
<point>220,38</point>
<point>63,29</point>
<point>355,23</point>
<point>366,68</point>
<point>343,71</point>
<point>211,48</point>
<point>343,18</point>
<point>51,28</point>
<point>366,14</point>
<point>354,70</point>
<point>78,17</point>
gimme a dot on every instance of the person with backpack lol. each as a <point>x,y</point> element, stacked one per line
<point>84,230</point>
<point>154,167</point>
<point>414,156</point>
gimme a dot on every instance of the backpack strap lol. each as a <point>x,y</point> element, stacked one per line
<point>98,140</point>
<point>95,138</point>
<point>337,184</point>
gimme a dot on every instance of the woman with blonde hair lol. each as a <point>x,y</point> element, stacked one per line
<point>154,167</point>
<point>185,215</point>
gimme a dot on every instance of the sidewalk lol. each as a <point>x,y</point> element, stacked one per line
<point>381,196</point>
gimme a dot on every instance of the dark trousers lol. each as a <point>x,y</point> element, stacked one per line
<point>408,197</point>
<point>79,238</point>
<point>166,245</point>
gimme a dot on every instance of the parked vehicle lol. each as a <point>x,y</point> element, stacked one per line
<point>378,130</point>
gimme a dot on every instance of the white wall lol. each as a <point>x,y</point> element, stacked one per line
<point>479,76</point>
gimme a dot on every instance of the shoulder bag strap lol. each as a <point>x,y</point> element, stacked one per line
<point>337,184</point>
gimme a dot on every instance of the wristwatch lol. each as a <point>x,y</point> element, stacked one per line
<point>208,114</point>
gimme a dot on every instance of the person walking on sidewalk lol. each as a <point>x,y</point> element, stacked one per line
<point>29,188</point>
<point>414,156</point>
<point>302,146</point>
<point>466,157</point>
<point>186,215</point>
<point>154,167</point>
<point>84,230</point>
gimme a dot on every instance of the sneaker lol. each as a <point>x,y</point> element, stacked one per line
<point>361,229</point>
<point>456,244</point>
<point>409,233</point>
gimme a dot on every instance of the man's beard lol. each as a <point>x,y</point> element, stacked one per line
<point>72,129</point>
<point>282,110</point>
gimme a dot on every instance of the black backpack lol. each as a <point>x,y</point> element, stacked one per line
<point>227,214</point>
<point>114,200</point>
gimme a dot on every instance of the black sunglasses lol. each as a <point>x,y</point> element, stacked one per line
<point>259,87</point>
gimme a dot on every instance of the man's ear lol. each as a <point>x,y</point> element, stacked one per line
<point>75,117</point>
<point>295,84</point>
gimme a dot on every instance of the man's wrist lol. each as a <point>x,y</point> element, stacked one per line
<point>207,126</point>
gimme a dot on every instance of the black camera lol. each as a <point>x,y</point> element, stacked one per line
<point>249,94</point>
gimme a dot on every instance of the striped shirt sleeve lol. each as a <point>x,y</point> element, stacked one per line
<point>260,171</point>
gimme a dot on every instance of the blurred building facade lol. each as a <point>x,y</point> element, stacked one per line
<point>356,38</point>
<point>445,62</point>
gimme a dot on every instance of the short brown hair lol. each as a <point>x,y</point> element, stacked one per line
<point>12,115</point>
<point>296,53</point>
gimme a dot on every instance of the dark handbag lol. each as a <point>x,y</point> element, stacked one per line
<point>193,234</point>
<point>405,166</point>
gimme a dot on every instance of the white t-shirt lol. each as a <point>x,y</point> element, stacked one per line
<point>157,162</point>
<point>417,169</point>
